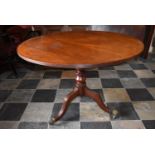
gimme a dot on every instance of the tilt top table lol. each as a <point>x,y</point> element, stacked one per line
<point>80,50</point>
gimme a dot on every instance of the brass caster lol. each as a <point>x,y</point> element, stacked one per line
<point>52,121</point>
<point>114,114</point>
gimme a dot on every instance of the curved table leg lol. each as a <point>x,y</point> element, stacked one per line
<point>67,101</point>
<point>97,98</point>
<point>81,90</point>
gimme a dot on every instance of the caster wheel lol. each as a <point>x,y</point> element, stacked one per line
<point>52,121</point>
<point>114,114</point>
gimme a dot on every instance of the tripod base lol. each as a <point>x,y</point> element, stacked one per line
<point>81,90</point>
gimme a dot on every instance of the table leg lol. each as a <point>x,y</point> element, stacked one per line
<point>81,90</point>
<point>97,98</point>
<point>65,105</point>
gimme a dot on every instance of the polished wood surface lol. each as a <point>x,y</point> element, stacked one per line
<point>83,49</point>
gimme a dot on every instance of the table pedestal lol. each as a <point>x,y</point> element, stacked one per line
<point>80,89</point>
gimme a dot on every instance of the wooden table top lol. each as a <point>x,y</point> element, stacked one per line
<point>83,49</point>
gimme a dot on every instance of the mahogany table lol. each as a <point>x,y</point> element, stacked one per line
<point>80,50</point>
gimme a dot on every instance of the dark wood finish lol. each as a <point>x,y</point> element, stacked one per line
<point>142,32</point>
<point>148,39</point>
<point>80,90</point>
<point>80,49</point>
<point>7,52</point>
<point>10,37</point>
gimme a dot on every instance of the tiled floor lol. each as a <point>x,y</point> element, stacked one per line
<point>28,102</point>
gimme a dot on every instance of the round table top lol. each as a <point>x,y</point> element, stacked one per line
<point>83,49</point>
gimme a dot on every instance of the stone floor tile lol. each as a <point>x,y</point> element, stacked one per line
<point>94,83</point>
<point>48,84</point>
<point>96,125</point>
<point>150,65</point>
<point>106,68</point>
<point>12,111</point>
<point>4,94</point>
<point>149,124</point>
<point>69,74</point>
<point>138,66</point>
<point>20,74</point>
<point>33,125</point>
<point>9,124</point>
<point>28,84</point>
<point>90,111</point>
<point>4,75</point>
<point>144,105</point>
<point>34,75</point>
<point>125,109</point>
<point>144,73</point>
<point>44,95</point>
<point>92,74</point>
<point>139,94</point>
<point>127,124</point>
<point>108,74</point>
<point>72,114</point>
<point>132,83</point>
<point>152,91</point>
<point>20,96</point>
<point>9,84</point>
<point>62,93</point>
<point>124,66</point>
<point>134,97</point>
<point>52,75</point>
<point>65,125</point>
<point>88,99</point>
<point>39,112</point>
<point>145,109</point>
<point>67,83</point>
<point>126,74</point>
<point>111,83</point>
<point>148,82</point>
<point>116,95</point>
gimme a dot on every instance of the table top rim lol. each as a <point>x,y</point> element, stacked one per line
<point>78,66</point>
<point>82,66</point>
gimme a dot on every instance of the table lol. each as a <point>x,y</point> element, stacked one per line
<point>80,50</point>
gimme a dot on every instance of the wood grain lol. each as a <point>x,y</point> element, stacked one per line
<point>81,49</point>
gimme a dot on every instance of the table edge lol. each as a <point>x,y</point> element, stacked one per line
<point>79,66</point>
